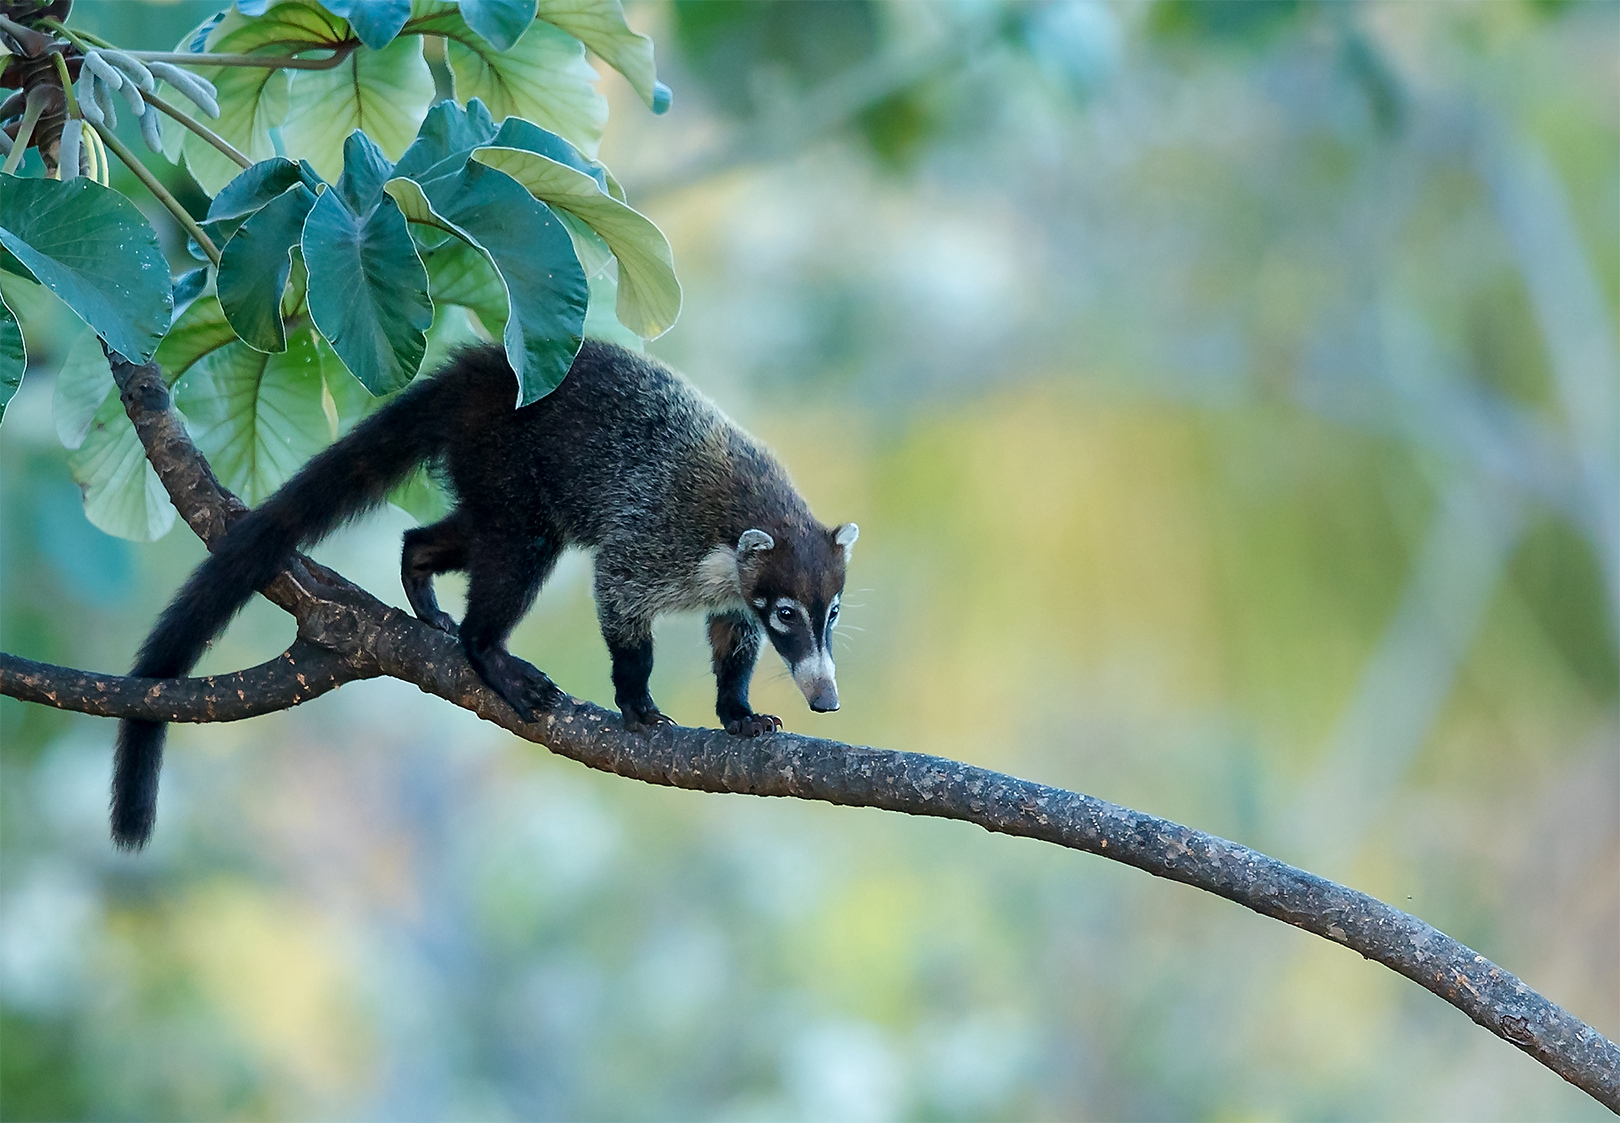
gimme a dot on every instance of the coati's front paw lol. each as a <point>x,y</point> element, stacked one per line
<point>441,620</point>
<point>754,725</point>
<point>644,719</point>
<point>524,686</point>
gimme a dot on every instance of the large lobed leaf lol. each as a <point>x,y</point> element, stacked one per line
<point>383,92</point>
<point>368,291</point>
<point>253,101</point>
<point>600,25</point>
<point>528,248</point>
<point>13,355</point>
<point>649,297</point>
<point>255,264</point>
<point>122,493</point>
<point>90,246</point>
<point>543,77</point>
<point>257,417</point>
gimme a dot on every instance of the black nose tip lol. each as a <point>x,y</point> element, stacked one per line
<point>824,705</point>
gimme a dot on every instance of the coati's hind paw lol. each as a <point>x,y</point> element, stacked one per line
<point>754,725</point>
<point>645,719</point>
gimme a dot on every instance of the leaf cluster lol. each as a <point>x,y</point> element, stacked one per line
<point>356,229</point>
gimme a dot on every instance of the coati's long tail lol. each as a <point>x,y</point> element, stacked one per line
<point>347,479</point>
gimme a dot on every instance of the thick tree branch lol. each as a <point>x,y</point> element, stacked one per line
<point>344,631</point>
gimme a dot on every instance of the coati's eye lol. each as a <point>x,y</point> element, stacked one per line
<point>832,614</point>
<point>785,614</point>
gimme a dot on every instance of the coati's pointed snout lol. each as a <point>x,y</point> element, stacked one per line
<point>825,703</point>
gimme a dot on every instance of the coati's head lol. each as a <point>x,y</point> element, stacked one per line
<point>793,587</point>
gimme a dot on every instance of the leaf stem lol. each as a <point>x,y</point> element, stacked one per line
<point>199,128</point>
<point>78,35</point>
<point>144,174</point>
<point>67,84</point>
<point>35,109</point>
<point>339,51</point>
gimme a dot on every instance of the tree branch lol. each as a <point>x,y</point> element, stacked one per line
<point>344,631</point>
<point>298,674</point>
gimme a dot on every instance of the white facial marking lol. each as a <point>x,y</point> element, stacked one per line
<point>815,674</point>
<point>781,625</point>
<point>759,602</point>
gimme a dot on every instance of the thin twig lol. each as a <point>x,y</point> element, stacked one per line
<point>144,174</point>
<point>199,128</point>
<point>340,51</point>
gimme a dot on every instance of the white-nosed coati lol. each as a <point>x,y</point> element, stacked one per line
<point>683,509</point>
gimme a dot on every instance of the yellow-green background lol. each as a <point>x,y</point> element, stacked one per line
<point>1203,391</point>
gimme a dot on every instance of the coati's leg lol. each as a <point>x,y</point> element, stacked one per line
<point>735,640</point>
<point>628,632</point>
<point>430,550</point>
<point>504,573</point>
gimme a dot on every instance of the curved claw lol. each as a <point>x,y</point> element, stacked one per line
<point>754,725</point>
<point>646,721</point>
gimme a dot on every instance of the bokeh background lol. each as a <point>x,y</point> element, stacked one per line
<point>1227,393</point>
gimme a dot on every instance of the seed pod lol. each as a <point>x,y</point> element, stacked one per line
<point>151,132</point>
<point>131,67</point>
<point>132,95</point>
<point>87,98</point>
<point>103,97</point>
<point>103,69</point>
<point>199,89</point>
<point>67,150</point>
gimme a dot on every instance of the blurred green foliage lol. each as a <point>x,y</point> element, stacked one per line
<point>1158,375</point>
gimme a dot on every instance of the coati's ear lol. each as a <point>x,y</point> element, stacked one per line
<point>753,540</point>
<point>845,536</point>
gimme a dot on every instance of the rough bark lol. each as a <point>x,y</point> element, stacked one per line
<point>346,634</point>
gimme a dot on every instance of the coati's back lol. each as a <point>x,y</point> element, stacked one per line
<point>625,447</point>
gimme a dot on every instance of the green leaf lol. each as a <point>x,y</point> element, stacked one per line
<point>534,256</point>
<point>252,101</point>
<point>90,246</point>
<point>446,138</point>
<point>122,493</point>
<point>544,77</point>
<point>599,24</point>
<point>600,321</point>
<point>499,22</point>
<point>376,22</point>
<point>200,331</point>
<point>13,355</point>
<point>254,266</point>
<point>649,295</point>
<point>257,417</point>
<point>259,184</point>
<point>381,92</point>
<point>82,386</point>
<point>460,275</point>
<point>367,288</point>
